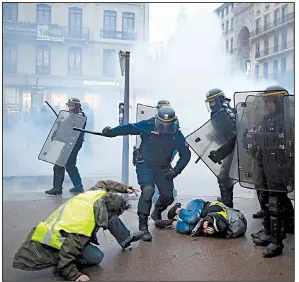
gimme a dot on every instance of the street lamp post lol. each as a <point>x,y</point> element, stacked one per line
<point>124,60</point>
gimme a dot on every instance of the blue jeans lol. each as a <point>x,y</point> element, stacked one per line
<point>93,255</point>
<point>189,216</point>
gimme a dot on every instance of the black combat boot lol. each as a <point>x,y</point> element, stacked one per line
<point>143,226</point>
<point>259,214</point>
<point>227,197</point>
<point>163,223</point>
<point>54,192</point>
<point>171,213</point>
<point>276,246</point>
<point>262,237</point>
<point>77,190</point>
<point>156,214</point>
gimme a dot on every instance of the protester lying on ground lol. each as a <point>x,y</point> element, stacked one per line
<point>67,238</point>
<point>205,218</point>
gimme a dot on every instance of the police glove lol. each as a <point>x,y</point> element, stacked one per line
<point>171,174</point>
<point>215,157</point>
<point>107,131</point>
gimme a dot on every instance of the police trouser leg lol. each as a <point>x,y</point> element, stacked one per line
<point>166,192</point>
<point>145,177</point>
<point>72,169</point>
<point>287,213</point>
<point>58,177</point>
<point>225,183</point>
<point>276,237</point>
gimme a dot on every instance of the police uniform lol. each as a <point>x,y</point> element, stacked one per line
<point>278,209</point>
<point>153,161</point>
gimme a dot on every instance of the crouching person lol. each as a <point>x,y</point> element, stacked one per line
<point>67,238</point>
<point>205,218</point>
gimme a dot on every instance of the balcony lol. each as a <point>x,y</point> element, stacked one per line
<point>120,35</point>
<point>275,50</point>
<point>47,32</point>
<point>271,26</point>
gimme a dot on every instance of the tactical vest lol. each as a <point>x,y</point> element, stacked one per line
<point>74,216</point>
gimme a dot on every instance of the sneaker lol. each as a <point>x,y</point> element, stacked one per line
<point>171,213</point>
<point>77,190</point>
<point>54,192</point>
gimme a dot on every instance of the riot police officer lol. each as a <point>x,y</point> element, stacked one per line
<point>216,100</point>
<point>74,106</point>
<point>160,136</point>
<point>278,209</point>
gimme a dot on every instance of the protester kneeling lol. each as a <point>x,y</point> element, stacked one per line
<point>67,238</point>
<point>205,218</point>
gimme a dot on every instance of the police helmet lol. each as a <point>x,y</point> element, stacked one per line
<point>74,105</point>
<point>214,99</point>
<point>163,103</point>
<point>274,94</point>
<point>166,121</point>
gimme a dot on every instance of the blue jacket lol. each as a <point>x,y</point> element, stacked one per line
<point>157,149</point>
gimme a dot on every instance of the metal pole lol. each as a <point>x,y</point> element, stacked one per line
<point>125,155</point>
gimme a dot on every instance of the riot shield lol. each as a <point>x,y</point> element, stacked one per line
<point>62,138</point>
<point>261,143</point>
<point>289,126</point>
<point>217,136</point>
<point>144,112</point>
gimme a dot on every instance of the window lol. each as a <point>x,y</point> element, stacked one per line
<point>284,12</point>
<point>275,69</point>
<point>226,46</point>
<point>75,22</point>
<point>223,27</point>
<point>231,45</point>
<point>109,20</point>
<point>128,25</point>
<point>232,6</point>
<point>232,24</point>
<point>10,11</point>
<point>283,65</point>
<point>266,70</point>
<point>266,21</point>
<point>276,17</point>
<point>226,11</point>
<point>266,47</point>
<point>222,14</point>
<point>284,39</point>
<point>75,61</point>
<point>43,14</point>
<point>42,60</point>
<point>10,58</point>
<point>257,26</point>
<point>257,71</point>
<point>276,41</point>
<point>257,50</point>
<point>109,62</point>
<point>226,26</point>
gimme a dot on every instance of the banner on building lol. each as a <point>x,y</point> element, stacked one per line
<point>49,33</point>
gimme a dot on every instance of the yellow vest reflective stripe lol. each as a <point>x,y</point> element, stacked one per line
<point>222,213</point>
<point>74,216</point>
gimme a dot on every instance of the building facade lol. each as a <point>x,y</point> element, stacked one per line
<point>263,39</point>
<point>54,51</point>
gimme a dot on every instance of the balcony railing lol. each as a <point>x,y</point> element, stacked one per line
<point>49,32</point>
<point>122,35</point>
<point>277,22</point>
<point>275,49</point>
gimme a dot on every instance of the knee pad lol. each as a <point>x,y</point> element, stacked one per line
<point>184,228</point>
<point>147,192</point>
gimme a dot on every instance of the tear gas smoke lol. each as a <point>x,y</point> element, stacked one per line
<point>192,64</point>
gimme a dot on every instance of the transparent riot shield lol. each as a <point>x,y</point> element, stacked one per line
<point>144,112</point>
<point>289,125</point>
<point>62,138</point>
<point>261,143</point>
<point>214,143</point>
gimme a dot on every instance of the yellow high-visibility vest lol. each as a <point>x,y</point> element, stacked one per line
<point>224,212</point>
<point>74,216</point>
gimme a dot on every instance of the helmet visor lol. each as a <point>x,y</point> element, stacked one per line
<point>165,127</point>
